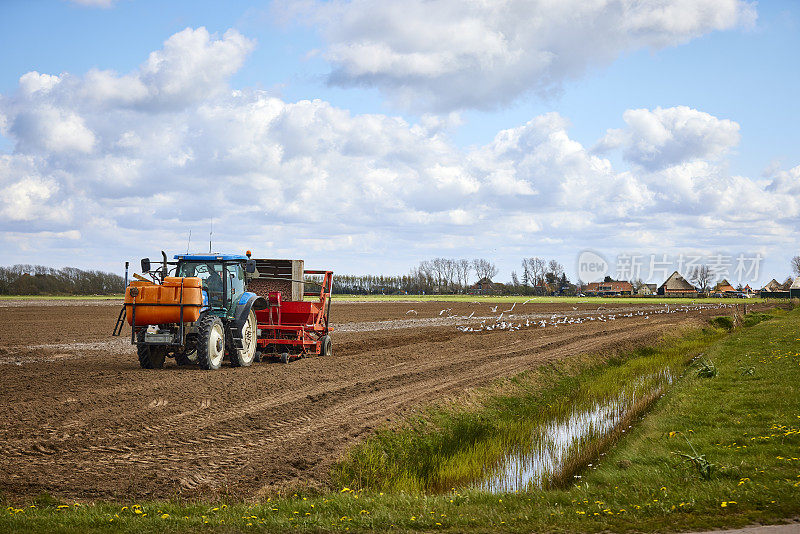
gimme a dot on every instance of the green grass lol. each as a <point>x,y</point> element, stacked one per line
<point>723,322</point>
<point>61,297</point>
<point>546,300</point>
<point>745,425</point>
<point>445,448</point>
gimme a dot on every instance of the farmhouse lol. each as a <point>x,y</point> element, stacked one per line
<point>609,289</point>
<point>647,290</point>
<point>724,287</point>
<point>485,286</point>
<point>774,290</point>
<point>677,286</point>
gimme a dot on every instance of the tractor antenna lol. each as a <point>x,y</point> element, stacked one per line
<point>211,233</point>
<point>190,241</point>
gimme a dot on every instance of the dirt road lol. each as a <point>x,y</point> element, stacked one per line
<point>81,419</point>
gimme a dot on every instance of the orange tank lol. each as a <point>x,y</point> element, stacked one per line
<point>167,296</point>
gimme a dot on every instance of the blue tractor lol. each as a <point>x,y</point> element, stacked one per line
<point>196,309</point>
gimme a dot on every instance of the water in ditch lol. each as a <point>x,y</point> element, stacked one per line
<point>575,435</point>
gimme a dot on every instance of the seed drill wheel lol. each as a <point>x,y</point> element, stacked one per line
<point>245,356</point>
<point>150,356</point>
<point>285,357</point>
<point>210,342</point>
<point>326,346</point>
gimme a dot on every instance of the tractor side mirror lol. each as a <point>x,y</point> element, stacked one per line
<point>250,267</point>
<point>145,265</point>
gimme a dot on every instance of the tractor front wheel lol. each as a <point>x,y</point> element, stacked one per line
<point>150,356</point>
<point>210,343</point>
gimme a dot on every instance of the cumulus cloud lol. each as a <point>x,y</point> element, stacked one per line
<point>660,138</point>
<point>449,54</point>
<point>123,163</point>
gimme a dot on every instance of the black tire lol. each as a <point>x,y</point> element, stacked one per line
<point>285,357</point>
<point>150,356</point>
<point>210,342</point>
<point>186,358</point>
<point>244,357</point>
<point>326,346</point>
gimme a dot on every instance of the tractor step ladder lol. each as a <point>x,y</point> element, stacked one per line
<point>120,322</point>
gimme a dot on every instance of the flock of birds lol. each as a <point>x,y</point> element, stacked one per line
<point>506,319</point>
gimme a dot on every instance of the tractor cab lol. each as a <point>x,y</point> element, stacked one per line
<point>222,277</point>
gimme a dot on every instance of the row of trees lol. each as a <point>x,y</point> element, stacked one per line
<point>446,275</point>
<point>439,275</point>
<point>26,279</point>
<point>541,277</point>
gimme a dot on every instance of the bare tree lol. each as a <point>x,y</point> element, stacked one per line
<point>701,276</point>
<point>796,265</point>
<point>449,270</point>
<point>538,268</point>
<point>463,267</point>
<point>637,284</point>
<point>555,268</point>
<point>484,268</point>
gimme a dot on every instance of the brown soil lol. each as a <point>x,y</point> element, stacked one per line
<point>82,420</point>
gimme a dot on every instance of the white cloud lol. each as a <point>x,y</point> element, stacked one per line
<point>664,137</point>
<point>127,163</point>
<point>450,54</point>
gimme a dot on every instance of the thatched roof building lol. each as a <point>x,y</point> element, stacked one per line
<point>724,287</point>
<point>677,286</point>
<point>773,285</point>
<point>774,290</point>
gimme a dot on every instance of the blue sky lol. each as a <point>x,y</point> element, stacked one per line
<point>741,69</point>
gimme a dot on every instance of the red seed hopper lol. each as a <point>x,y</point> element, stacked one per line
<point>291,327</point>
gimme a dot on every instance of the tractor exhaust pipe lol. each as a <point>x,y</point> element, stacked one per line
<point>164,270</point>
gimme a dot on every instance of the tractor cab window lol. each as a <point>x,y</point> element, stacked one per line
<point>236,277</point>
<point>210,273</point>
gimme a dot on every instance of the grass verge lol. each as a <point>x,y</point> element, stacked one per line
<point>446,448</point>
<point>744,422</point>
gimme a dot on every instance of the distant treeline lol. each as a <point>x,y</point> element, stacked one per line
<point>453,276</point>
<point>25,279</point>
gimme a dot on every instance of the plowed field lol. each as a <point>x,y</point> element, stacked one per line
<point>80,418</point>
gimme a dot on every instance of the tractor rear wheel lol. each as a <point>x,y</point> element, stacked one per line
<point>150,356</point>
<point>210,342</point>
<point>245,356</point>
<point>326,346</point>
